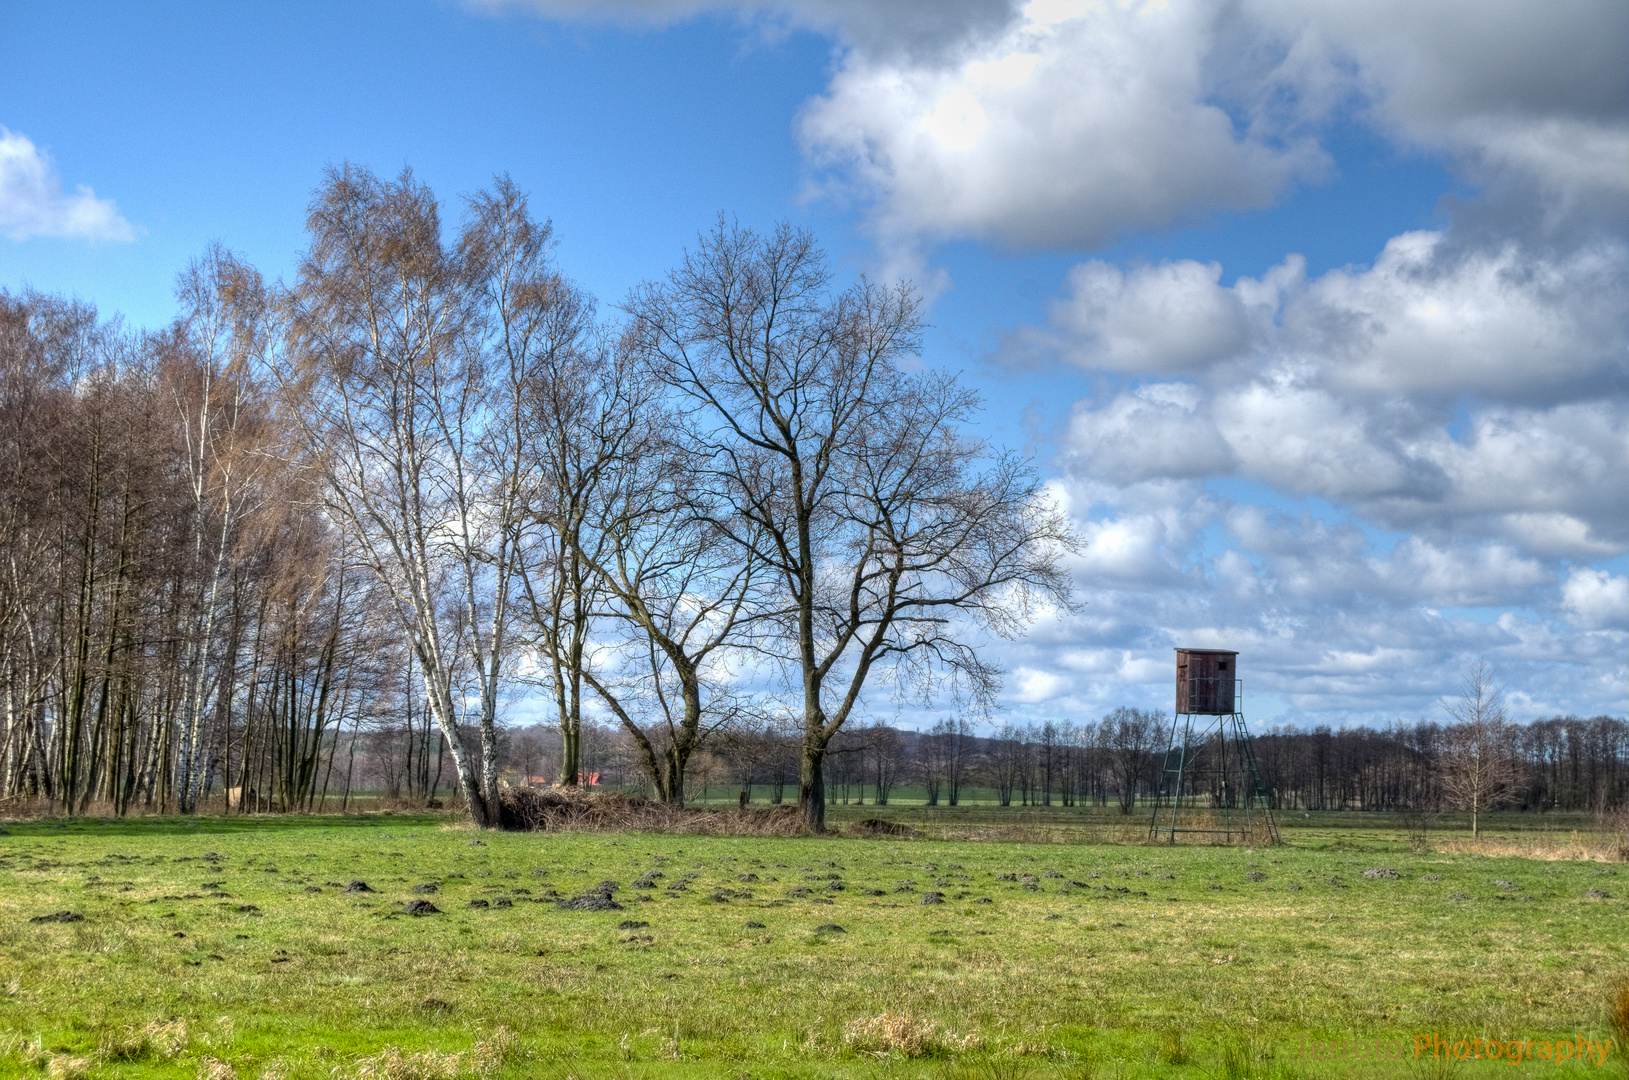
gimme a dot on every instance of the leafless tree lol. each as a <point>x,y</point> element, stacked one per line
<point>886,754</point>
<point>1131,739</point>
<point>229,443</point>
<point>1478,768</point>
<point>1006,762</point>
<point>894,537</point>
<point>637,542</point>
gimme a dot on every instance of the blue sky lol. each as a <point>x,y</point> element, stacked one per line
<point>1314,313</point>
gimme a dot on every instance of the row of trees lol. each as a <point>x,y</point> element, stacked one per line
<point>174,609</point>
<point>1564,763</point>
<point>426,477</point>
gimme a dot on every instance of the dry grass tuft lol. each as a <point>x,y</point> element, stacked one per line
<point>566,809</point>
<point>63,1067</point>
<point>903,1035</point>
<point>481,1060</point>
<point>490,1054</point>
<point>162,1039</point>
<point>1550,847</point>
<point>210,1068</point>
<point>891,1033</point>
<point>1617,1012</point>
<point>392,1063</point>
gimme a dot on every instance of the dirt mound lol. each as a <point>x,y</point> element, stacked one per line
<point>58,916</point>
<point>880,827</point>
<point>557,809</point>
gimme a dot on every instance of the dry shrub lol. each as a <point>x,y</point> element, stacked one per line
<point>162,1039</point>
<point>576,810</point>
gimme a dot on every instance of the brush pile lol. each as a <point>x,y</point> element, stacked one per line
<point>576,810</point>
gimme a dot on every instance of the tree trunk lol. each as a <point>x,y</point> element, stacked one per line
<point>812,785</point>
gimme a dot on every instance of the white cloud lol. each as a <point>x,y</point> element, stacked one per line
<point>1504,324</point>
<point>1332,622</point>
<point>1451,389</point>
<point>1066,123</point>
<point>1156,432</point>
<point>1520,85</point>
<point>33,202</point>
<point>1172,317</point>
<point>1596,598</point>
<point>1030,686</point>
<point>1428,318</point>
<point>1075,123</point>
<point>1429,446</point>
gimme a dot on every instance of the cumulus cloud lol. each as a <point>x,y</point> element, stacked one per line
<point>1066,123</point>
<point>1523,85</point>
<point>1168,318</point>
<point>1596,598</point>
<point>1504,324</point>
<point>33,202</point>
<point>1075,123</point>
<point>1445,388</point>
<point>1333,620</point>
<point>1157,431</point>
<point>1363,481</point>
<point>1429,317</point>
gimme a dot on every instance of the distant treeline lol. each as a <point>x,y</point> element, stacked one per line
<point>1564,763</point>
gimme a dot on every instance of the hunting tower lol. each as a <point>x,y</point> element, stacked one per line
<point>1210,787</point>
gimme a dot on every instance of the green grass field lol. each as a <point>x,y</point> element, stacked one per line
<point>230,947</point>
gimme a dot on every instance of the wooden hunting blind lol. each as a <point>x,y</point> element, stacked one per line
<point>1210,787</point>
<point>1205,682</point>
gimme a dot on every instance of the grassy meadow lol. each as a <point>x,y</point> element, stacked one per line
<point>1036,944</point>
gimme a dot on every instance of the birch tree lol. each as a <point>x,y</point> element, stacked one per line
<point>1478,769</point>
<point>226,439</point>
<point>391,388</point>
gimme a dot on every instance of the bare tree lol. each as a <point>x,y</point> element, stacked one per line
<point>1006,762</point>
<point>1131,738</point>
<point>932,754</point>
<point>229,446</point>
<point>886,752</point>
<point>1478,768</point>
<point>637,541</point>
<point>892,534</point>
